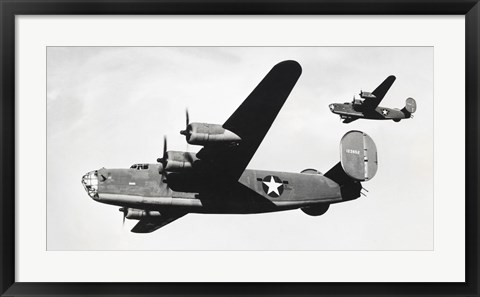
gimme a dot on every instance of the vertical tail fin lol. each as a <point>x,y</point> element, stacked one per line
<point>410,107</point>
<point>358,162</point>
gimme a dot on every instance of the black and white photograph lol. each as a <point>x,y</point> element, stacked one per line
<point>240,148</point>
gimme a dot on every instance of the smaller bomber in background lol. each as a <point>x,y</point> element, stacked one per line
<point>367,107</point>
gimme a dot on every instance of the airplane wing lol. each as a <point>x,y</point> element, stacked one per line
<point>251,121</point>
<point>349,120</point>
<point>148,225</point>
<point>379,93</point>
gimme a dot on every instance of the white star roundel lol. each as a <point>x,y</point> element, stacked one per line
<point>384,112</point>
<point>272,185</point>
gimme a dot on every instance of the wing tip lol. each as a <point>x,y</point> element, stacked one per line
<point>391,77</point>
<point>291,66</point>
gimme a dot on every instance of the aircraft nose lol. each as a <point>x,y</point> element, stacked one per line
<point>332,106</point>
<point>90,183</point>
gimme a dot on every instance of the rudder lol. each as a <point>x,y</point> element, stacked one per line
<point>410,107</point>
<point>358,155</point>
<point>358,162</point>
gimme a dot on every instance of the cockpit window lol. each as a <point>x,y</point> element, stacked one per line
<point>139,166</point>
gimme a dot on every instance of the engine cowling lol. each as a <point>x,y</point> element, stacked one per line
<point>366,95</point>
<point>357,104</point>
<point>179,161</point>
<point>137,214</point>
<point>203,133</point>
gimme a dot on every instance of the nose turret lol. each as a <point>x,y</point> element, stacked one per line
<point>332,106</point>
<point>90,183</point>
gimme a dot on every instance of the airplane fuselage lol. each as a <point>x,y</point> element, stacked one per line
<point>256,191</point>
<point>351,111</point>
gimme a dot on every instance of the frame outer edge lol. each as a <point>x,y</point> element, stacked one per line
<point>8,9</point>
<point>7,147</point>
<point>472,92</point>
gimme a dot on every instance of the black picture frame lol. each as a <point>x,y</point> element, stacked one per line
<point>10,8</point>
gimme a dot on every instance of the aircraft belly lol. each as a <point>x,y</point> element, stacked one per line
<point>350,113</point>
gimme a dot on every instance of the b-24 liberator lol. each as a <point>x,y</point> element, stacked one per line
<point>367,107</point>
<point>215,180</point>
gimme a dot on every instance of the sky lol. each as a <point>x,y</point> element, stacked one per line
<point>111,106</point>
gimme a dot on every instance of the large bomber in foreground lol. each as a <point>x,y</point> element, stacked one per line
<point>215,180</point>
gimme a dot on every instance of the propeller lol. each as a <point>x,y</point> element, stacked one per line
<point>186,132</point>
<point>163,159</point>
<point>164,155</point>
<point>125,212</point>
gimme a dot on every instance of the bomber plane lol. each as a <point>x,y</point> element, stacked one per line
<point>215,180</point>
<point>367,107</point>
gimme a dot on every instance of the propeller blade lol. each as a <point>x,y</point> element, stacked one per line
<point>164,153</point>
<point>163,159</point>
<point>187,122</point>
<point>164,146</point>
<point>125,211</point>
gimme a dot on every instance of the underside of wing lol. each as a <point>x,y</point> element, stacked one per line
<point>349,120</point>
<point>373,101</point>
<point>251,121</point>
<point>148,225</point>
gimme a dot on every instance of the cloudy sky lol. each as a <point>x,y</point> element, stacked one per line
<point>111,106</point>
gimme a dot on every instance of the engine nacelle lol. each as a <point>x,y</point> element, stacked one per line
<point>366,95</point>
<point>357,102</point>
<point>202,134</point>
<point>137,214</point>
<point>179,161</point>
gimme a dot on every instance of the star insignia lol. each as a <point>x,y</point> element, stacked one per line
<point>272,185</point>
<point>384,111</point>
